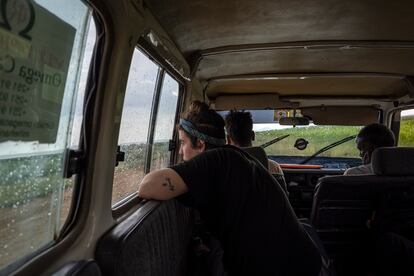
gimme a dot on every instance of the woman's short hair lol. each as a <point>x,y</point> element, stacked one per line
<point>206,121</point>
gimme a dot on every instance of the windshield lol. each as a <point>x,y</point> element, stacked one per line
<point>317,137</point>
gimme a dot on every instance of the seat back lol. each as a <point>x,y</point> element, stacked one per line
<point>343,201</point>
<point>259,154</point>
<point>154,241</point>
<point>79,268</point>
<point>343,205</point>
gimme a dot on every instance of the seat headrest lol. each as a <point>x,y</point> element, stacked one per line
<point>393,161</point>
<point>259,154</point>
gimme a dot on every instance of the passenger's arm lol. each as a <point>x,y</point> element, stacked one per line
<point>162,184</point>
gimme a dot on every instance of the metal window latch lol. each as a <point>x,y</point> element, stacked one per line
<point>120,156</point>
<point>171,145</point>
<point>74,162</point>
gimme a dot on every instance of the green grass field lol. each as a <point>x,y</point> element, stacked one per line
<point>317,136</point>
<point>26,178</point>
<point>321,136</point>
<point>406,137</point>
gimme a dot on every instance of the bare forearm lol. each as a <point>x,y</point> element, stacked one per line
<point>162,185</point>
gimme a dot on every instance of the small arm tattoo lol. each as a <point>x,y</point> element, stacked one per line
<point>168,184</point>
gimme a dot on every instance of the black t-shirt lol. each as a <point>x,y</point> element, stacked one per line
<point>245,208</point>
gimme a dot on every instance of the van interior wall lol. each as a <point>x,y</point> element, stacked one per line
<point>193,92</point>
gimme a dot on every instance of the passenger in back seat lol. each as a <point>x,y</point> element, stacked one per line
<point>368,139</point>
<point>239,128</point>
<point>240,202</point>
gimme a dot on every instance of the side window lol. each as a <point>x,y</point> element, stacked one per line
<point>406,137</point>
<point>135,122</point>
<point>165,120</point>
<point>41,56</point>
<point>78,116</point>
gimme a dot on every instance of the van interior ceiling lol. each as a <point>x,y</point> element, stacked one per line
<point>91,92</point>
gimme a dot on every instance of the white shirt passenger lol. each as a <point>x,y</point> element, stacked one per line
<point>363,169</point>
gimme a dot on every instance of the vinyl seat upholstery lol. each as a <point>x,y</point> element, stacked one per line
<point>154,241</point>
<point>344,205</point>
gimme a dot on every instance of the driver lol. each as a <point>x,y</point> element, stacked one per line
<point>368,139</point>
<point>240,202</point>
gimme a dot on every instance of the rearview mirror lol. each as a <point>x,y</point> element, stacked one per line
<point>294,121</point>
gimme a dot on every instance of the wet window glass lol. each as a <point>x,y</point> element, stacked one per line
<point>164,127</point>
<point>42,46</point>
<point>133,135</point>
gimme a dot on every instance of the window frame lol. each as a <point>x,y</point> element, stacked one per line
<point>153,117</point>
<point>81,150</point>
<point>129,202</point>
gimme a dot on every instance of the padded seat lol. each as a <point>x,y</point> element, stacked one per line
<point>259,154</point>
<point>154,241</point>
<point>79,268</point>
<point>343,205</point>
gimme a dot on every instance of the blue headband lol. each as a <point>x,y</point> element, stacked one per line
<point>192,130</point>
